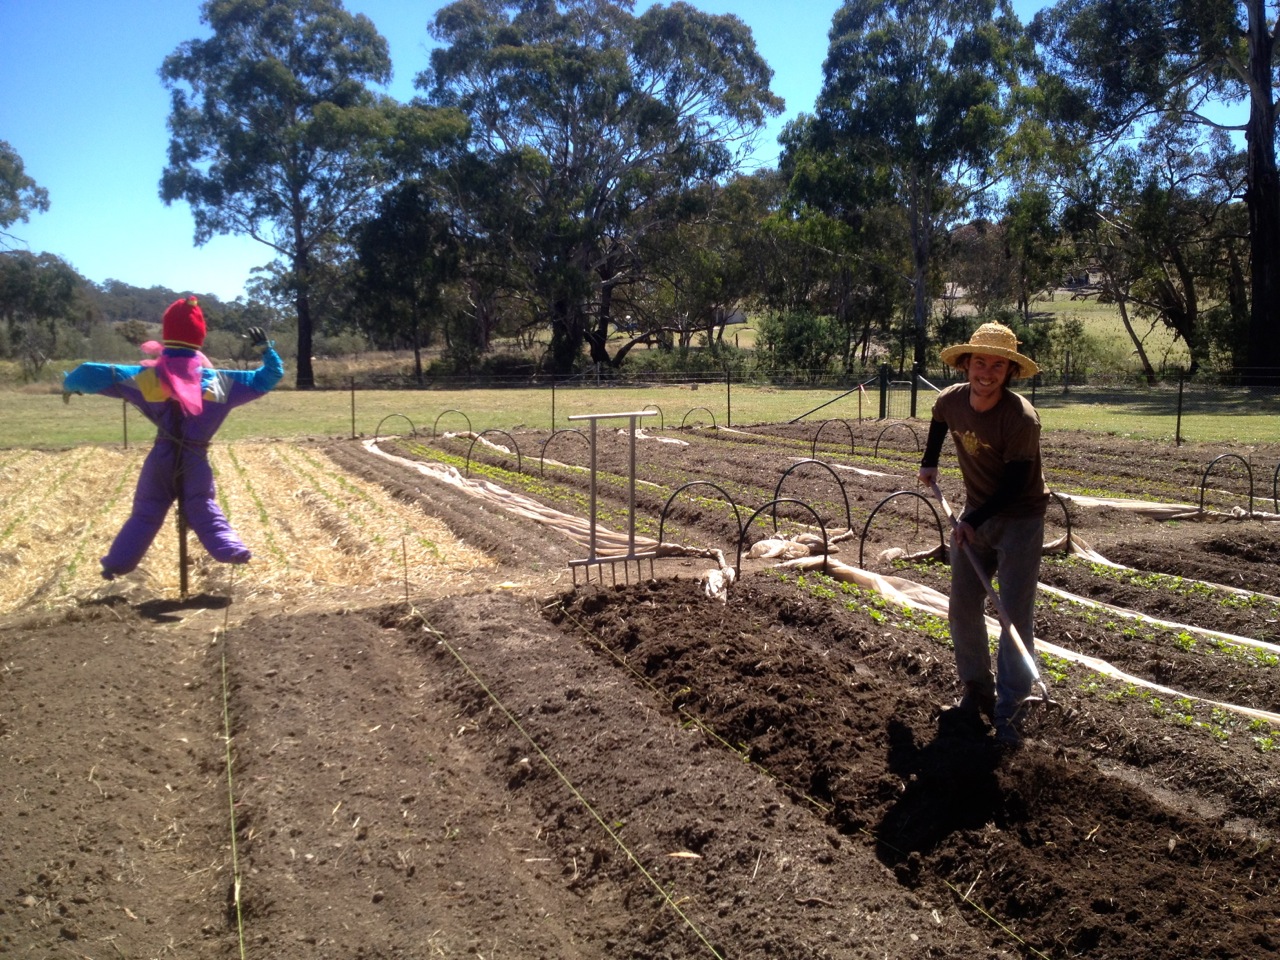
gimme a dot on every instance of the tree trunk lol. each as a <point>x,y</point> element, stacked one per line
<point>921,225</point>
<point>302,280</point>
<point>417,345</point>
<point>1112,285</point>
<point>566,338</point>
<point>598,337</point>
<point>1238,297</point>
<point>1181,304</point>
<point>1263,201</point>
<point>306,377</point>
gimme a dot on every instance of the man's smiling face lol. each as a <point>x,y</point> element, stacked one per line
<point>988,375</point>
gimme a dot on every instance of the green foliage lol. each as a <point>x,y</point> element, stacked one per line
<point>497,365</point>
<point>913,112</point>
<point>275,133</point>
<point>1031,242</point>
<point>695,362</point>
<point>1055,668</point>
<point>20,196</point>
<point>105,344</point>
<point>703,265</point>
<point>1174,584</point>
<point>1193,58</point>
<point>871,604</point>
<point>38,297</point>
<point>570,103</point>
<point>407,253</point>
<point>798,343</point>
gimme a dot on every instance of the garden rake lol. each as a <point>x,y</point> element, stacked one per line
<point>1001,612</point>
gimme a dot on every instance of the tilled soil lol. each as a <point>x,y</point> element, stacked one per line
<point>530,763</point>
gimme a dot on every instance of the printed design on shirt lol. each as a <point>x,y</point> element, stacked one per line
<point>972,443</point>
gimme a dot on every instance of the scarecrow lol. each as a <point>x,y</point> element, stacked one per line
<point>187,400</point>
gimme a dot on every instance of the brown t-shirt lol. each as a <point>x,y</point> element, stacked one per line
<point>985,442</point>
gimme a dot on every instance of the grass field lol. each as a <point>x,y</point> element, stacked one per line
<point>35,416</point>
<point>41,420</point>
<point>1108,337</point>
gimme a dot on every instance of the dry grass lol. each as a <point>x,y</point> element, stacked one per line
<point>315,531</point>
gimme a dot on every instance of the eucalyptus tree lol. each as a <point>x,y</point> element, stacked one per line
<point>700,268</point>
<point>916,105</point>
<point>275,133</point>
<point>846,260</point>
<point>406,253</point>
<point>976,264</point>
<point>38,294</point>
<point>1161,223</point>
<point>592,122</point>
<point>20,196</point>
<point>811,261</point>
<point>998,269</point>
<point>1114,68</point>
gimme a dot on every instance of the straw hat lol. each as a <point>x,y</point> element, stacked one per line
<point>993,339</point>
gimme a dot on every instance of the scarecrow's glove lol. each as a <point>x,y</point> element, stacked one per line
<point>258,339</point>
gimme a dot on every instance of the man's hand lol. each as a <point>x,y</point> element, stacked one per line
<point>961,534</point>
<point>927,476</point>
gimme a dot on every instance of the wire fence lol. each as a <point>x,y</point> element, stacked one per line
<point>894,394</point>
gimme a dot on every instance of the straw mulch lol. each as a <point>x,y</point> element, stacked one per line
<point>315,531</point>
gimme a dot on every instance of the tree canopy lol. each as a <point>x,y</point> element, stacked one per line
<point>575,168</point>
<point>914,111</point>
<point>590,123</point>
<point>1184,62</point>
<point>276,134</point>
<point>20,196</point>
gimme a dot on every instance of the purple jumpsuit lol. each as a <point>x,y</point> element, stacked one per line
<point>178,464</point>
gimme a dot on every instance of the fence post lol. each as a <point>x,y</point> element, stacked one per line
<point>728,397</point>
<point>1177,435</point>
<point>353,408</point>
<point>884,391</point>
<point>915,387</point>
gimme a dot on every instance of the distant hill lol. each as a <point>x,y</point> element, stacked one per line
<point>117,302</point>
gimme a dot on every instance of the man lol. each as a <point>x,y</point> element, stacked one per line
<point>188,401</point>
<point>996,433</point>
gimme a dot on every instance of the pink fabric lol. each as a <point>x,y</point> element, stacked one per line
<point>180,376</point>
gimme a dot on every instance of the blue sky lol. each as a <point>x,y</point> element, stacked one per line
<point>82,104</point>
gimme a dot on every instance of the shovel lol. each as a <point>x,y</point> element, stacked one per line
<point>1001,612</point>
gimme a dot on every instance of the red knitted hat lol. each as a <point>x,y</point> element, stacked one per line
<point>184,324</point>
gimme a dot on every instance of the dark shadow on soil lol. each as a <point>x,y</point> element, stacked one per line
<point>166,611</point>
<point>949,784</point>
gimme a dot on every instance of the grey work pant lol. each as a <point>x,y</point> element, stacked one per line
<point>1009,547</point>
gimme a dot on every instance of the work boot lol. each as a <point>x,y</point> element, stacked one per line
<point>1008,736</point>
<point>977,700</point>
<point>1009,726</point>
<point>968,713</point>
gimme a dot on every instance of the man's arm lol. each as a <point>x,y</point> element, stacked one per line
<point>932,451</point>
<point>1012,482</point>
